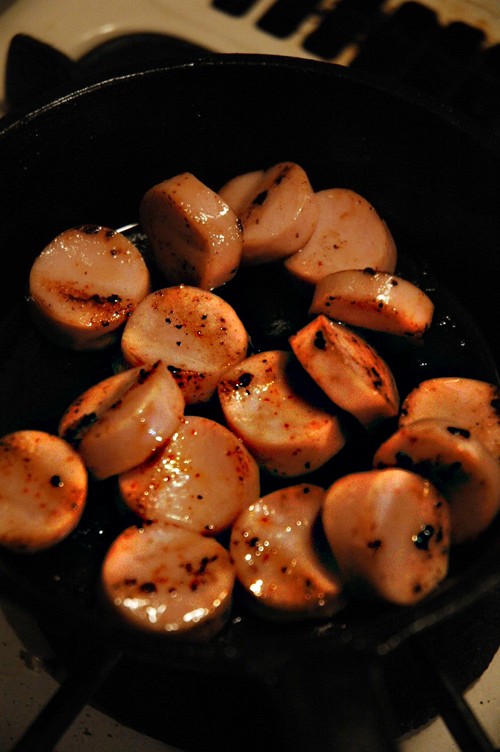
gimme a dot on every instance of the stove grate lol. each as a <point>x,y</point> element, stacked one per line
<point>234,7</point>
<point>407,45</point>
<point>81,686</point>
<point>284,17</point>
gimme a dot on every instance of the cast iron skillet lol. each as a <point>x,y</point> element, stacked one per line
<point>88,157</point>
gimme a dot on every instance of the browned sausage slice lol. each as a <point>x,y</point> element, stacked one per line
<point>389,531</point>
<point>85,284</point>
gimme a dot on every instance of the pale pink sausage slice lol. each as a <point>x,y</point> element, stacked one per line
<point>389,531</point>
<point>121,421</point>
<point>240,190</point>
<point>349,234</point>
<point>348,369</point>
<point>468,403</point>
<point>374,300</point>
<point>288,434</point>
<point>170,581</point>
<point>279,214</point>
<point>465,473</point>
<point>195,236</point>
<point>195,332</point>
<point>272,545</point>
<point>85,284</point>
<point>201,479</point>
<point>43,490</point>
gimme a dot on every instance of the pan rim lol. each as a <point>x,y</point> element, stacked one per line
<point>62,96</point>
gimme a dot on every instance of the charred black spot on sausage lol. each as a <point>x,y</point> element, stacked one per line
<point>97,299</point>
<point>458,432</point>
<point>282,175</point>
<point>423,537</point>
<point>204,564</point>
<point>89,229</point>
<point>374,544</point>
<point>438,473</point>
<point>56,481</point>
<point>441,474</point>
<point>148,587</point>
<point>145,373</point>
<point>73,434</point>
<point>244,380</point>
<point>260,198</point>
<point>377,381</point>
<point>319,340</point>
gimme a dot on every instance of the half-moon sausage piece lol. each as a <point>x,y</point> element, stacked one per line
<point>195,332</point>
<point>85,284</point>
<point>240,190</point>
<point>374,300</point>
<point>201,479</point>
<point>389,531</point>
<point>469,403</point>
<point>464,472</point>
<point>278,211</point>
<point>276,561</point>
<point>123,420</point>
<point>349,234</point>
<point>195,236</point>
<point>348,369</point>
<point>168,580</point>
<point>286,432</point>
<point>43,490</point>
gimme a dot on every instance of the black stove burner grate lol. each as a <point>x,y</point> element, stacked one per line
<point>427,675</point>
<point>409,46</point>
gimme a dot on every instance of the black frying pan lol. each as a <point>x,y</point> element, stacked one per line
<point>89,157</point>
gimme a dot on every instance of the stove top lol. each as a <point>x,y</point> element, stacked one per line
<point>449,49</point>
<point>446,49</point>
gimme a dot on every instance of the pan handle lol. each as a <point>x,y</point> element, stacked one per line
<point>353,713</point>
